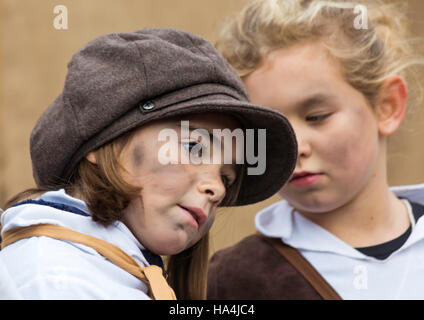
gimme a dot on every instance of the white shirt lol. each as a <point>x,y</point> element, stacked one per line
<point>46,268</point>
<point>352,274</point>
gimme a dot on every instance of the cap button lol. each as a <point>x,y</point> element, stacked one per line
<point>148,105</point>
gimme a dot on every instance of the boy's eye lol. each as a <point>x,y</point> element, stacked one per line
<point>226,181</point>
<point>194,148</point>
<point>318,117</point>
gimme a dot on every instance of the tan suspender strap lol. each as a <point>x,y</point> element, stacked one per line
<point>151,275</point>
<point>295,258</point>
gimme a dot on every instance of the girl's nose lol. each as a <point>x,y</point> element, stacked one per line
<point>304,148</point>
<point>303,141</point>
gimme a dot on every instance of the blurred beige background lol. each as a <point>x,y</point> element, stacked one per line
<point>34,55</point>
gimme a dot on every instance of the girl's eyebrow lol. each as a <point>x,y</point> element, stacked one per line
<point>312,101</point>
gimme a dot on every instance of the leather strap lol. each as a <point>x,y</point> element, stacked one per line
<point>295,258</point>
<point>152,275</point>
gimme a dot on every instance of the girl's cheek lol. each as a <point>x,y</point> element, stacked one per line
<point>354,152</point>
<point>342,153</point>
<point>351,137</point>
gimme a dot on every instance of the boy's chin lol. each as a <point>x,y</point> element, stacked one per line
<point>173,246</point>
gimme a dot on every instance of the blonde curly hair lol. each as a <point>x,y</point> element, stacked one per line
<point>368,56</point>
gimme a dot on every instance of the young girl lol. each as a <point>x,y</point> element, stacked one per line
<point>342,88</point>
<point>115,159</point>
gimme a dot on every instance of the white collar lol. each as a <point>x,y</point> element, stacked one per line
<point>117,233</point>
<point>60,196</point>
<point>280,220</point>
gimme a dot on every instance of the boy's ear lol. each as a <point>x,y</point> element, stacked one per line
<point>391,105</point>
<point>91,156</point>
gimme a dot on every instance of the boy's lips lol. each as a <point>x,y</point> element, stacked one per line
<point>304,178</point>
<point>198,214</point>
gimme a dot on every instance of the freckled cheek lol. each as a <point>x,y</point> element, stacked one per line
<point>354,154</point>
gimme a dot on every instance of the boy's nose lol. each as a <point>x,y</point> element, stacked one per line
<point>213,187</point>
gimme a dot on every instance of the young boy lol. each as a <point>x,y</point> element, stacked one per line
<point>108,206</point>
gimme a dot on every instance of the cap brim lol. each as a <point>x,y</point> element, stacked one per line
<point>281,145</point>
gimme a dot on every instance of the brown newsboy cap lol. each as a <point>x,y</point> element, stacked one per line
<point>121,81</point>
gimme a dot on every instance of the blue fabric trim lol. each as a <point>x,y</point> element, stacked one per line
<point>151,257</point>
<point>59,206</point>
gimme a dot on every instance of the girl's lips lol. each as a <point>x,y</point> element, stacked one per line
<point>198,214</point>
<point>303,179</point>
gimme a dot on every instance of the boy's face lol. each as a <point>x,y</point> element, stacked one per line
<point>160,218</point>
<point>337,131</point>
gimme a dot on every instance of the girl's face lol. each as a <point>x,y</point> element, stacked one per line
<point>337,130</point>
<point>178,200</point>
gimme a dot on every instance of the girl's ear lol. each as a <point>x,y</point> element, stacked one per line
<point>391,105</point>
<point>91,156</point>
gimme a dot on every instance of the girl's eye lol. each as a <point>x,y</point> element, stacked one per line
<point>194,148</point>
<point>318,117</point>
